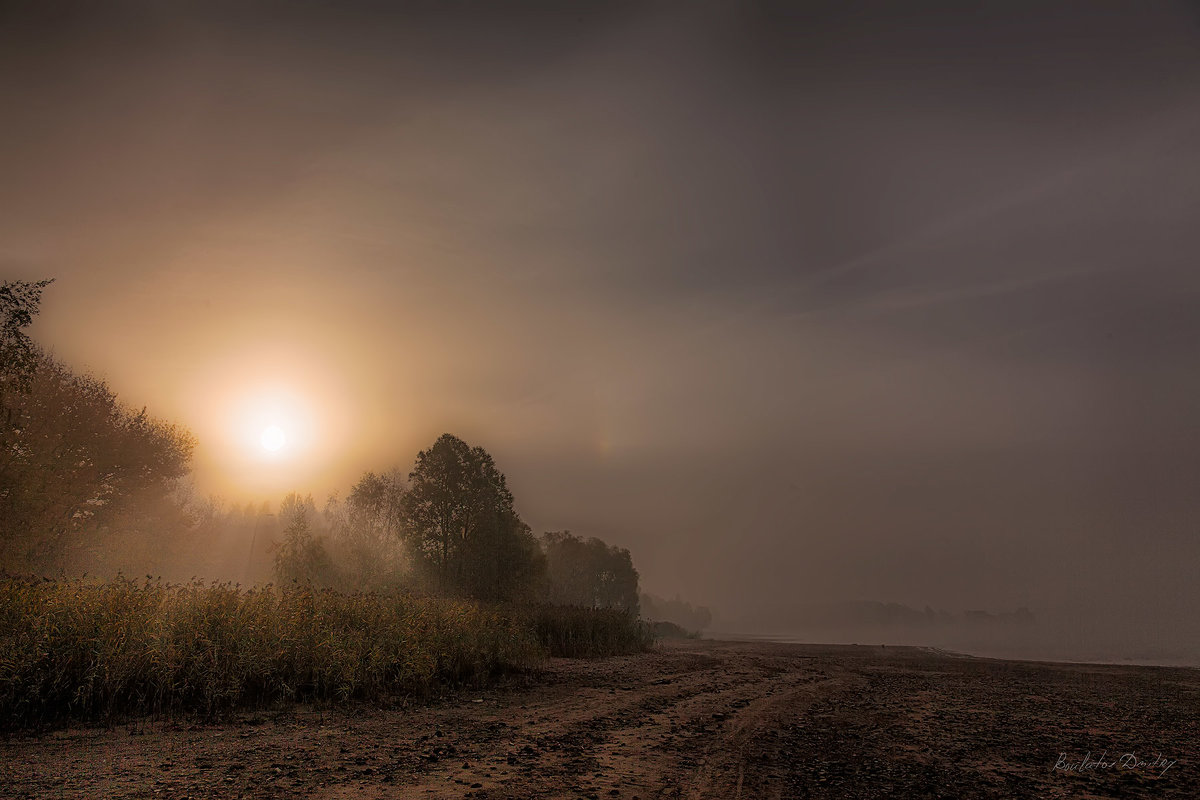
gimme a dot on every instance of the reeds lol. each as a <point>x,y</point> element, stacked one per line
<point>578,632</point>
<point>71,650</point>
<point>95,652</point>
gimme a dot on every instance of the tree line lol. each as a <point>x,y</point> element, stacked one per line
<point>83,477</point>
<point>449,528</point>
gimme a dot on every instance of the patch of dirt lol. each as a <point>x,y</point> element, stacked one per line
<point>696,719</point>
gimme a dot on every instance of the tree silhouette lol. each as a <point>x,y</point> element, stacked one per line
<point>588,572</point>
<point>73,460</point>
<point>462,530</point>
<point>19,303</point>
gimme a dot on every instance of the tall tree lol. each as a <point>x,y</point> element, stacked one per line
<point>73,460</point>
<point>463,532</point>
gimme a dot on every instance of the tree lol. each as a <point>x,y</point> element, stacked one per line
<point>376,502</point>
<point>460,525</point>
<point>300,557</point>
<point>502,561</point>
<point>19,303</point>
<point>73,460</point>
<point>365,531</point>
<point>589,572</point>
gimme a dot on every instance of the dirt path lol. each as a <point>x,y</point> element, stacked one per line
<point>695,720</point>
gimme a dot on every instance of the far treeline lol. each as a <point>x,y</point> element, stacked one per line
<point>89,485</point>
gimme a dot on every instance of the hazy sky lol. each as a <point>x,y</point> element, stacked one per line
<point>795,300</point>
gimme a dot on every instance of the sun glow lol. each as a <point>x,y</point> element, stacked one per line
<point>273,438</point>
<point>275,423</point>
<point>272,420</point>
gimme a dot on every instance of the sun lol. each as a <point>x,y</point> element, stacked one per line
<point>270,430</point>
<point>272,439</point>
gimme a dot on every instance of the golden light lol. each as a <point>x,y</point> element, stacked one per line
<point>273,422</point>
<point>276,418</point>
<point>273,438</point>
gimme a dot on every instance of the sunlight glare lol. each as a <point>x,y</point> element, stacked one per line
<point>273,438</point>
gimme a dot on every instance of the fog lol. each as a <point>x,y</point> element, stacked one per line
<point>802,305</point>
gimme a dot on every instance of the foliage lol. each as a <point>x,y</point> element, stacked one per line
<point>463,533</point>
<point>19,302</point>
<point>578,632</point>
<point>73,650</point>
<point>589,573</point>
<point>75,461</point>
<point>300,556</point>
<point>364,532</point>
<point>376,501</point>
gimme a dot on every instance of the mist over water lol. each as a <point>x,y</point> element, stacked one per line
<point>1069,637</point>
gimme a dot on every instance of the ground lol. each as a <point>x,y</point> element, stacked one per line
<point>697,719</point>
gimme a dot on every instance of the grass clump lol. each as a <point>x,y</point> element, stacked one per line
<point>93,652</point>
<point>579,632</point>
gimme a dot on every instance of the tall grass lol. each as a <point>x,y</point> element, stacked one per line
<point>74,650</point>
<point>577,632</point>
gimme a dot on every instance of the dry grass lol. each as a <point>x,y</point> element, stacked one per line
<point>98,652</point>
<point>82,651</point>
